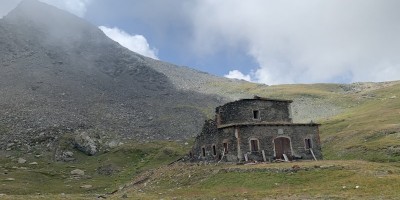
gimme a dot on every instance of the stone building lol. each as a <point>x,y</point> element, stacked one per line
<point>258,129</point>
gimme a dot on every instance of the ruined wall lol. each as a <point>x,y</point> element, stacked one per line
<point>242,111</point>
<point>209,137</point>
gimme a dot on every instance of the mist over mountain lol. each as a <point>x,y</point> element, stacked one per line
<point>60,74</point>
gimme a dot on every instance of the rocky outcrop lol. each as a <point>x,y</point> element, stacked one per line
<point>86,144</point>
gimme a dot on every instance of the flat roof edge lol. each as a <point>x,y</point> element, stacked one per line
<point>267,124</point>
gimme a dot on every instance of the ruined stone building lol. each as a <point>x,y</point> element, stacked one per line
<point>258,129</point>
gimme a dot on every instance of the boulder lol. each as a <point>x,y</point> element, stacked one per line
<point>77,172</point>
<point>21,161</point>
<point>68,154</point>
<point>9,145</point>
<point>86,186</point>
<point>83,142</point>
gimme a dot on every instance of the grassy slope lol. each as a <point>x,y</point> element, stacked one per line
<point>368,128</point>
<point>50,177</point>
<point>313,180</point>
<point>368,131</point>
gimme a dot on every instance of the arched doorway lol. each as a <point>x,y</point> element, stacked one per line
<point>282,146</point>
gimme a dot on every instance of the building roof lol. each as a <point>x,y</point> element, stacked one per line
<point>267,99</point>
<point>255,98</point>
<point>266,124</point>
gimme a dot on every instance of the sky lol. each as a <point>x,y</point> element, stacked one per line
<point>263,41</point>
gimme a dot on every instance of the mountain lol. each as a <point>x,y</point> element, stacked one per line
<point>62,75</point>
<point>66,88</point>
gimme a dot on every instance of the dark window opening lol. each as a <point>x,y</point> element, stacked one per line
<point>256,114</point>
<point>203,151</point>
<point>308,143</point>
<point>214,150</point>
<point>254,145</point>
<point>225,147</point>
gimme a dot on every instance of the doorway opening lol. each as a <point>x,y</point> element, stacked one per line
<point>282,146</point>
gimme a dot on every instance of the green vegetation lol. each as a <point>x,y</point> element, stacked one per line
<point>369,131</point>
<point>105,172</point>
<point>310,180</point>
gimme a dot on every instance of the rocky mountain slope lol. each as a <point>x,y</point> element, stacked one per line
<point>62,75</point>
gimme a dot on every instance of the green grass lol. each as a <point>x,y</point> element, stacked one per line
<point>319,180</point>
<point>369,131</point>
<point>49,177</point>
<point>335,179</point>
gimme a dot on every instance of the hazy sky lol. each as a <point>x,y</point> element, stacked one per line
<point>267,41</point>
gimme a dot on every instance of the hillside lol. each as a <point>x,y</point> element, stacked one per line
<point>366,129</point>
<point>306,180</point>
<point>67,91</point>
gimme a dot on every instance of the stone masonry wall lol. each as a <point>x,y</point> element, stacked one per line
<point>211,136</point>
<point>242,111</point>
<point>265,134</point>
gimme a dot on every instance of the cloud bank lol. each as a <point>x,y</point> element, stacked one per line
<point>305,41</point>
<point>77,7</point>
<point>291,41</point>
<point>236,74</point>
<point>136,43</point>
<point>6,6</point>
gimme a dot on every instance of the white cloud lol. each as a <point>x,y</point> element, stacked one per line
<point>236,74</point>
<point>6,6</point>
<point>305,41</point>
<point>77,7</point>
<point>136,43</point>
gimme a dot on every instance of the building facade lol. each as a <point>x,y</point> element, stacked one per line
<point>258,129</point>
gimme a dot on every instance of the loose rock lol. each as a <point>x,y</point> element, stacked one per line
<point>86,144</point>
<point>77,172</point>
<point>86,186</point>
<point>21,161</point>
